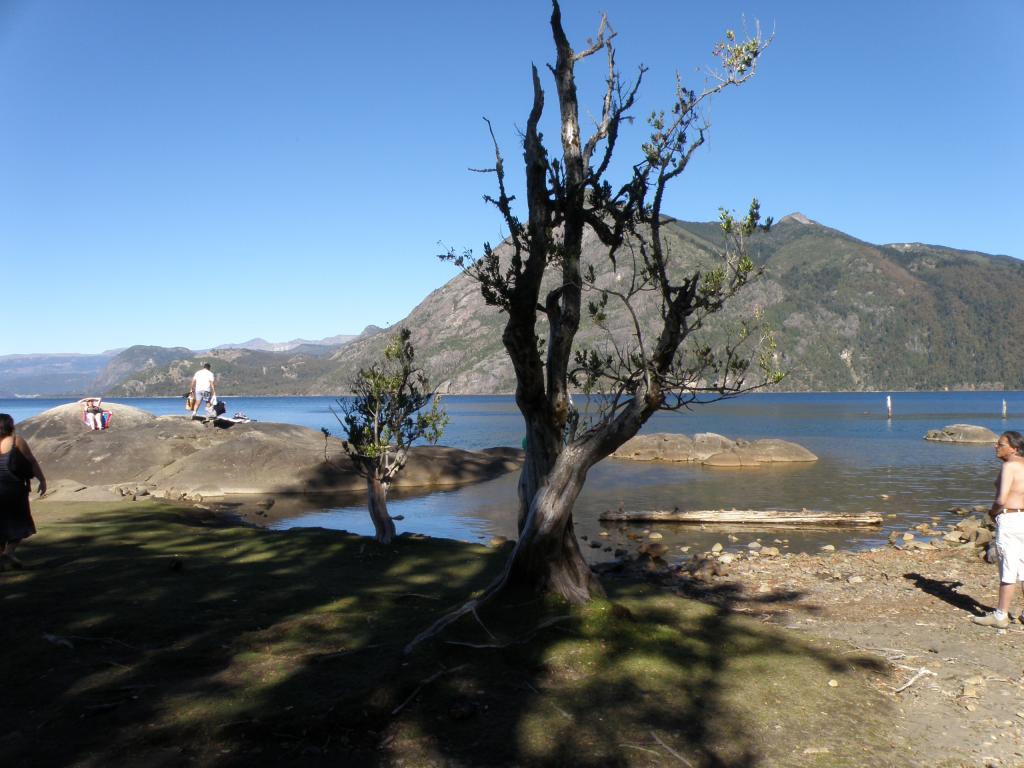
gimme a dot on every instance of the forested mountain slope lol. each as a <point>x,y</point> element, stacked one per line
<point>848,315</point>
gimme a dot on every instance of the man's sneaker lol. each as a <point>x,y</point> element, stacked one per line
<point>990,620</point>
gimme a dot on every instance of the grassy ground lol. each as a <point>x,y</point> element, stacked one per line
<point>143,635</point>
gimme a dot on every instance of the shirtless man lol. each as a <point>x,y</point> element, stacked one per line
<point>1008,512</point>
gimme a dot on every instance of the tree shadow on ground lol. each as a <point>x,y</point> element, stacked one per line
<point>946,590</point>
<point>146,638</point>
<point>152,638</point>
<point>642,679</point>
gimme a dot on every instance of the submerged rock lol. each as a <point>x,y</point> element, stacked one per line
<point>665,446</point>
<point>961,433</point>
<point>712,450</point>
<point>768,451</point>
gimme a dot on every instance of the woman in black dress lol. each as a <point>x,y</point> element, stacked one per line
<point>17,468</point>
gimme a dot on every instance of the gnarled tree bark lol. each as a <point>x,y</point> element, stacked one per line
<point>383,525</point>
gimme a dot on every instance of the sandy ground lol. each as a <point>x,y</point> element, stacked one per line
<point>958,687</point>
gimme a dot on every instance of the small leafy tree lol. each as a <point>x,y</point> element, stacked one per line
<point>540,277</point>
<point>391,407</point>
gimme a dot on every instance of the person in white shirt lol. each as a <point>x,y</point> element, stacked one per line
<point>203,389</point>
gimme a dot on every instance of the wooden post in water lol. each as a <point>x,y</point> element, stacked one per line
<point>1004,409</point>
<point>888,405</point>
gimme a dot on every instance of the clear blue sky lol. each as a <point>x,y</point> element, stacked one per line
<point>194,173</point>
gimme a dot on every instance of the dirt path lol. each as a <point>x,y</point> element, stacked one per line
<point>962,697</point>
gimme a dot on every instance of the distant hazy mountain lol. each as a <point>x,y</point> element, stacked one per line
<point>238,371</point>
<point>263,345</point>
<point>143,361</point>
<point>848,315</point>
<point>49,375</point>
<point>156,371</point>
<point>52,375</point>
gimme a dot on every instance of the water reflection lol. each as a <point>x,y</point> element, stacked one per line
<point>472,513</point>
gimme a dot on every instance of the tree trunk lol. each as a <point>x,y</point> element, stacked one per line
<point>525,492</point>
<point>537,466</point>
<point>547,557</point>
<point>383,525</point>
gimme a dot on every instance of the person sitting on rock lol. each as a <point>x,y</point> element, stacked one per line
<point>92,412</point>
<point>1008,512</point>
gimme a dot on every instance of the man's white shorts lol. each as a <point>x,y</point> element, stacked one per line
<point>1010,545</point>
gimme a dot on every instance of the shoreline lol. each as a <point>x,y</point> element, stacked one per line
<point>883,468</point>
<point>511,393</point>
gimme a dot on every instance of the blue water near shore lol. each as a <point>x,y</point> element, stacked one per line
<point>866,461</point>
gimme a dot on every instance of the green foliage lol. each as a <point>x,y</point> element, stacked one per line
<point>737,59</point>
<point>392,405</point>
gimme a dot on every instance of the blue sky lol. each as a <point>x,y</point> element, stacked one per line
<point>193,173</point>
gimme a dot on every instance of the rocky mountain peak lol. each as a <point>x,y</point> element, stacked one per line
<point>797,217</point>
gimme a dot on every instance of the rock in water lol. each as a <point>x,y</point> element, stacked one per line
<point>711,449</point>
<point>961,433</point>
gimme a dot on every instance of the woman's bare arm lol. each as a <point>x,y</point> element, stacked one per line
<point>37,471</point>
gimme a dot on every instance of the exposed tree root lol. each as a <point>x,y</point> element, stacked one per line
<point>517,641</point>
<point>440,673</point>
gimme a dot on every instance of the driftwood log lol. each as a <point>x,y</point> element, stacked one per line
<point>747,517</point>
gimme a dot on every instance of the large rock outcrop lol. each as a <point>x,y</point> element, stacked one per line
<point>961,433</point>
<point>173,456</point>
<point>712,450</point>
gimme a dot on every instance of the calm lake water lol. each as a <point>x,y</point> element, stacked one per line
<point>865,462</point>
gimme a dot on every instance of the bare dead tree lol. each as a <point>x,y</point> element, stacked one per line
<point>666,367</point>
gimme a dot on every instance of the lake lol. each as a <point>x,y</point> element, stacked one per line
<point>865,462</point>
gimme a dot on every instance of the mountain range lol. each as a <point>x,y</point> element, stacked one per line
<point>56,375</point>
<point>847,314</point>
<point>262,345</point>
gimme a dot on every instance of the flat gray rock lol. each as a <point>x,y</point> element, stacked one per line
<point>962,433</point>
<point>758,452</point>
<point>666,446</point>
<point>172,456</point>
<point>713,450</point>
